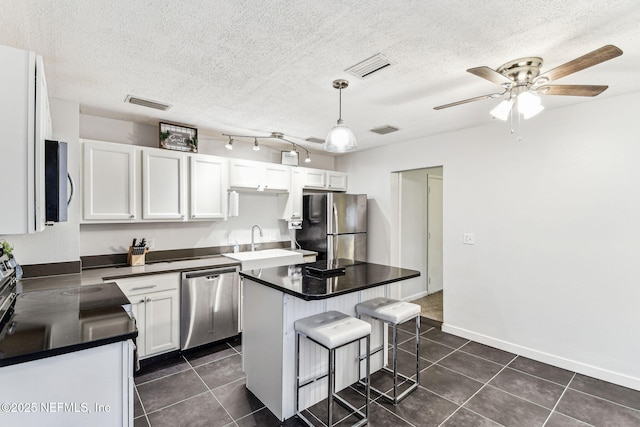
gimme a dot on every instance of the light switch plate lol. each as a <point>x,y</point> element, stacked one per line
<point>469,239</point>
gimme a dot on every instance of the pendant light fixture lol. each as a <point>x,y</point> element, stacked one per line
<point>229,145</point>
<point>340,138</point>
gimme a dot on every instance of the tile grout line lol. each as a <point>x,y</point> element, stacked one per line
<point>210,390</point>
<point>478,391</point>
<point>602,398</point>
<point>144,411</point>
<point>558,402</point>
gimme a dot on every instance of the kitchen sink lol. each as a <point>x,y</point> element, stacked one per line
<point>252,260</point>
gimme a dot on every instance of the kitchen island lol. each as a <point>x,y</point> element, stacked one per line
<point>274,298</point>
<point>67,357</point>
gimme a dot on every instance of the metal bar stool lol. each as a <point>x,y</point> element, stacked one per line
<point>333,330</point>
<point>394,313</point>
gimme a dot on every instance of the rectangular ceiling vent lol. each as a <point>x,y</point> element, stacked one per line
<point>369,66</point>
<point>147,103</point>
<point>383,130</point>
<point>315,140</point>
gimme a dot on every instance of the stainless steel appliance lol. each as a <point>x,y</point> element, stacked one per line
<point>55,177</point>
<point>8,292</point>
<point>209,306</point>
<point>335,226</point>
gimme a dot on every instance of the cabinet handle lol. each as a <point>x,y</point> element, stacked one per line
<point>193,216</point>
<point>182,216</point>
<point>132,216</point>
<point>141,301</point>
<point>148,299</point>
<point>138,288</point>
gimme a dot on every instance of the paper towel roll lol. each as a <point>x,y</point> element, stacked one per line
<point>234,203</point>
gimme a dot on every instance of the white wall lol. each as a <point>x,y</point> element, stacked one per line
<point>554,271</point>
<point>59,242</point>
<point>255,208</point>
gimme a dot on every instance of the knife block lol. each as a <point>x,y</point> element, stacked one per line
<point>136,258</point>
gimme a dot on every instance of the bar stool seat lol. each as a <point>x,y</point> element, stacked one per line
<point>394,313</point>
<point>389,310</point>
<point>333,330</point>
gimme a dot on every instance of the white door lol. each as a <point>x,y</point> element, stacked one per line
<point>208,187</point>
<point>277,177</point>
<point>163,184</point>
<point>434,225</point>
<point>109,181</point>
<point>162,317</point>
<point>337,181</point>
<point>245,174</point>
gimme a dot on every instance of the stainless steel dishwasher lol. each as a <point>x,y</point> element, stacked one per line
<point>209,306</point>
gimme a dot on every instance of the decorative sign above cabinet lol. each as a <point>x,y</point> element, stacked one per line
<point>181,138</point>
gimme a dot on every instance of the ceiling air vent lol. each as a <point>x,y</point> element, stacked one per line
<point>315,140</point>
<point>369,66</point>
<point>383,130</point>
<point>147,103</point>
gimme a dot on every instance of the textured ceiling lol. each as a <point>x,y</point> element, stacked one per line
<point>253,67</point>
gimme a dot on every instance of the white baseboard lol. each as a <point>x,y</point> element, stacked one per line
<point>415,296</point>
<point>561,362</point>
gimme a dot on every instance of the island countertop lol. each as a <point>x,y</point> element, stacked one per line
<point>357,276</point>
<point>57,321</point>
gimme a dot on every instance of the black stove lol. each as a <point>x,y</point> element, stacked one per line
<point>7,289</point>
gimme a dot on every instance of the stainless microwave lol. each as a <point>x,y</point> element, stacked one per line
<point>55,177</point>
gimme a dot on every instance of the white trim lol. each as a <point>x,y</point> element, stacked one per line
<point>561,362</point>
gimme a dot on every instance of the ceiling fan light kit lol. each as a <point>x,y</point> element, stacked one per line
<point>522,82</point>
<point>340,138</point>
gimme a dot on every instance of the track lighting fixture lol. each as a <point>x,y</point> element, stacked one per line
<point>274,135</point>
<point>340,138</point>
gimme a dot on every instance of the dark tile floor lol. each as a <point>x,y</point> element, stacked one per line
<point>462,384</point>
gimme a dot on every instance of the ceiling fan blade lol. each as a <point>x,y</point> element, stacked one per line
<point>490,74</point>
<point>572,90</point>
<point>464,101</point>
<point>605,53</point>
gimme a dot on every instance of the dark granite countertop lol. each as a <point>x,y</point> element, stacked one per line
<point>357,276</point>
<point>51,322</point>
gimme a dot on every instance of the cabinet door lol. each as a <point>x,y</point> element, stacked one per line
<point>208,187</point>
<point>163,184</point>
<point>245,174</point>
<point>277,177</point>
<point>109,181</point>
<point>161,322</point>
<point>290,204</point>
<point>336,181</point>
<point>314,178</point>
<point>138,312</point>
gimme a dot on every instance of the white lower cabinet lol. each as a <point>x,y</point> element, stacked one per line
<point>155,303</point>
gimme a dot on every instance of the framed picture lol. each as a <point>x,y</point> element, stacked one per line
<point>177,137</point>
<point>289,158</point>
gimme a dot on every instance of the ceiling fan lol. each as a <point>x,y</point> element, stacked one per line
<point>521,81</point>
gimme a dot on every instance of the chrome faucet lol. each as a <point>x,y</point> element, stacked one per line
<point>253,245</point>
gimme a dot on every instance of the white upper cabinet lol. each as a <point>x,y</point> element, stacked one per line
<point>208,187</point>
<point>164,184</point>
<point>324,180</point>
<point>110,182</point>
<point>290,204</point>
<point>25,122</point>
<point>259,176</point>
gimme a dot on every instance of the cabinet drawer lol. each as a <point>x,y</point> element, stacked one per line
<point>151,283</point>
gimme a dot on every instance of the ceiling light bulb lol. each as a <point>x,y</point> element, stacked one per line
<point>307,159</point>
<point>340,138</point>
<point>529,104</point>
<point>256,147</point>
<point>502,110</point>
<point>229,145</point>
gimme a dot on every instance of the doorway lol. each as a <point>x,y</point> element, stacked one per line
<point>419,245</point>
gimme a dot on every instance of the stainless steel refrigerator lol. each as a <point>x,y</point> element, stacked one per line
<point>335,226</point>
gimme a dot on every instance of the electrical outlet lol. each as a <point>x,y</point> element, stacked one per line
<point>469,239</point>
<point>151,244</point>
